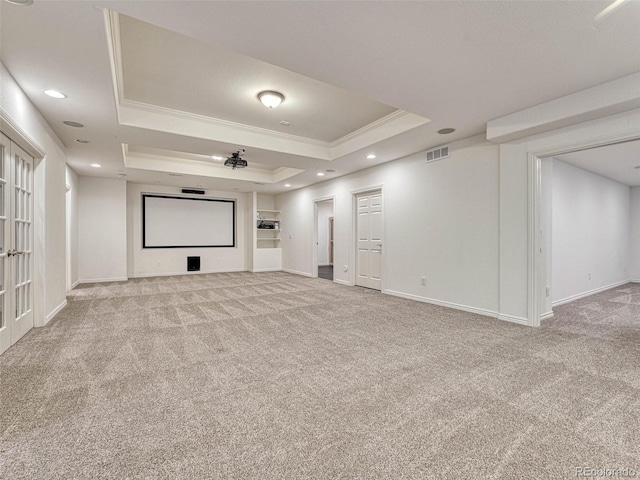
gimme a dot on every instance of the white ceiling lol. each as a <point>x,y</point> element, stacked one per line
<point>458,64</point>
<point>175,71</point>
<point>617,162</point>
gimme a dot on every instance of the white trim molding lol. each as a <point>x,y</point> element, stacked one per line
<point>53,313</point>
<point>176,274</point>
<point>103,280</point>
<point>342,282</point>
<point>546,316</point>
<point>296,272</point>
<point>442,303</point>
<point>513,319</point>
<point>573,298</point>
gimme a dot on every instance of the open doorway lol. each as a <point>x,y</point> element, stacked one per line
<point>324,227</point>
<point>590,234</point>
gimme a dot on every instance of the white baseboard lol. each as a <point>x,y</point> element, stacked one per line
<point>634,281</point>
<point>258,270</point>
<point>324,264</point>
<point>75,284</point>
<point>546,316</point>
<point>102,280</point>
<point>173,274</point>
<point>296,272</point>
<point>343,282</point>
<point>457,306</point>
<point>590,292</point>
<point>513,319</point>
<point>54,312</point>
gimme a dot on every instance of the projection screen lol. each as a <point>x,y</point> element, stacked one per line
<point>178,222</point>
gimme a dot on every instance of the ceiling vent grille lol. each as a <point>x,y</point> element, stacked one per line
<point>439,153</point>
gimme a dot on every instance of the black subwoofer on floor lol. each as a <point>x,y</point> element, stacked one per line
<point>193,264</point>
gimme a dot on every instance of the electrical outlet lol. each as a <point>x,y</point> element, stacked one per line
<point>157,264</point>
<point>589,276</point>
<point>548,291</point>
<point>423,280</point>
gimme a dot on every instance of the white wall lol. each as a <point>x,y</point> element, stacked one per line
<point>49,197</point>
<point>634,271</point>
<point>325,210</point>
<point>102,229</point>
<point>440,221</point>
<point>515,264</point>
<point>171,261</point>
<point>73,238</point>
<point>591,232</point>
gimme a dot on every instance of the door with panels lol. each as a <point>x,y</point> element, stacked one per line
<point>16,241</point>
<point>369,240</point>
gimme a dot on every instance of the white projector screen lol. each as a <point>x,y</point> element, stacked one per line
<point>177,222</point>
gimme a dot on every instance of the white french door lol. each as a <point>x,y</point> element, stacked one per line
<point>16,241</point>
<point>369,240</point>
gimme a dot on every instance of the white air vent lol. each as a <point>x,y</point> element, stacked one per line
<point>438,153</point>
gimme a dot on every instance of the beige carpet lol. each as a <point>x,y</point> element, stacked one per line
<point>275,376</point>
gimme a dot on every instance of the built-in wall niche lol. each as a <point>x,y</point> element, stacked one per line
<point>268,228</point>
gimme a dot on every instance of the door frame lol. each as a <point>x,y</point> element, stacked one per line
<point>25,141</point>
<point>314,249</point>
<point>536,255</point>
<point>353,251</point>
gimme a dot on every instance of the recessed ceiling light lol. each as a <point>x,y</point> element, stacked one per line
<point>446,131</point>
<point>73,124</point>
<point>22,3</point>
<point>258,183</point>
<point>218,158</point>
<point>175,174</point>
<point>55,93</point>
<point>271,99</point>
<point>320,174</point>
<point>637,168</point>
<point>80,140</point>
<point>285,123</point>
<point>331,170</point>
<point>287,184</point>
<point>96,165</point>
<point>121,175</point>
<point>371,156</point>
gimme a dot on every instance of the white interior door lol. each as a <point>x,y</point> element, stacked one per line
<point>16,240</point>
<point>369,240</point>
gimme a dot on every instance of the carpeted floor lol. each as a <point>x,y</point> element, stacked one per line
<point>275,376</point>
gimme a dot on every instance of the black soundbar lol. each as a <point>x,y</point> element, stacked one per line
<point>188,190</point>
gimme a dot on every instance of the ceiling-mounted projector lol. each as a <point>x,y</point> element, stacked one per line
<point>236,160</point>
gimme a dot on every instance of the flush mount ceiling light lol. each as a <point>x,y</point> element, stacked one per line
<point>446,131</point>
<point>96,165</point>
<point>54,93</point>
<point>22,3</point>
<point>371,156</point>
<point>270,99</point>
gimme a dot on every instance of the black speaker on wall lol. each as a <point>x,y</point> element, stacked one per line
<point>191,190</point>
<point>193,264</point>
